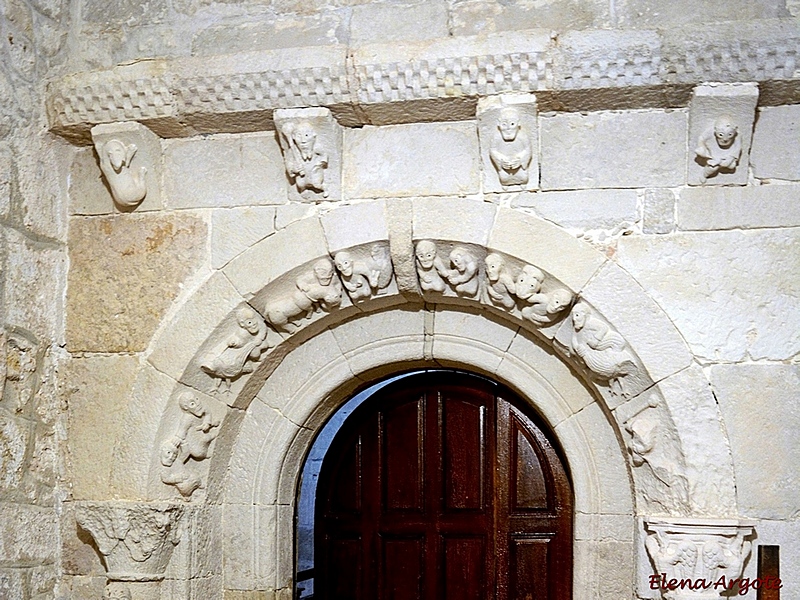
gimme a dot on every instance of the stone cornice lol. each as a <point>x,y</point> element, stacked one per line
<point>426,81</point>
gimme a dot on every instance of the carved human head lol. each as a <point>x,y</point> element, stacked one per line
<point>509,124</point>
<point>169,452</point>
<point>304,135</point>
<point>460,257</point>
<point>494,266</point>
<point>118,154</point>
<point>559,300</point>
<point>725,131</point>
<point>248,320</point>
<point>323,271</point>
<point>529,282</point>
<point>580,312</point>
<point>426,253</point>
<point>344,263</point>
<point>190,404</point>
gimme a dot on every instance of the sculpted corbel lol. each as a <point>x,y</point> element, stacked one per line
<point>315,290</point>
<point>189,444</point>
<point>311,141</point>
<point>129,155</point>
<point>236,353</point>
<point>135,540</point>
<point>604,351</point>
<point>719,148</point>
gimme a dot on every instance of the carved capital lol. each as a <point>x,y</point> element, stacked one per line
<point>697,557</point>
<point>135,539</point>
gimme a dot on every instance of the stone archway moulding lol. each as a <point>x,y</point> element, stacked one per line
<point>246,332</point>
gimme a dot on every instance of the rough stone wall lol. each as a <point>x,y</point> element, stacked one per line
<point>33,266</point>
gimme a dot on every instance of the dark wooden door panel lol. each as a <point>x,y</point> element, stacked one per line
<point>441,487</point>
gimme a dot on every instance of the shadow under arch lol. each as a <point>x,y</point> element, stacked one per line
<point>364,402</point>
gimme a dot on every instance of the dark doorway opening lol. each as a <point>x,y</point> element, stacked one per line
<point>435,485</point>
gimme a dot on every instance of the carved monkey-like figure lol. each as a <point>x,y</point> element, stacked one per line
<point>719,148</point>
<point>304,156</point>
<point>511,151</point>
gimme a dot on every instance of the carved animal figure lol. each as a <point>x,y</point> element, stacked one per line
<point>510,150</point>
<point>197,429</point>
<point>382,263</point>
<point>430,268</point>
<point>500,288</point>
<point>464,274</point>
<point>529,282</point>
<point>603,350</point>
<point>719,148</point>
<point>128,186</point>
<point>317,289</point>
<point>304,156</point>
<point>243,345</point>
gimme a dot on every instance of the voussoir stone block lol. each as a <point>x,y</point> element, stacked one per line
<point>453,219</point>
<point>731,294</point>
<point>355,224</point>
<point>640,148</point>
<point>471,337</point>
<point>115,259</point>
<point>421,159</point>
<point>643,324</point>
<point>746,207</point>
<point>583,209</point>
<point>299,243</point>
<point>224,170</point>
<point>546,246</point>
<point>234,230</point>
<point>776,143</point>
<point>758,404</point>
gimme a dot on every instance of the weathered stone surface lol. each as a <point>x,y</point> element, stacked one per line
<point>6,166</point>
<point>642,14</point>
<point>456,219</point>
<point>234,230</point>
<point>224,170</point>
<point>36,271</point>
<point>761,420</point>
<point>114,260</point>
<point>481,16</point>
<point>658,211</point>
<point>97,390</point>
<point>15,434</point>
<point>585,209</point>
<point>88,192</point>
<point>27,534</point>
<point>423,159</point>
<point>639,148</point>
<point>739,207</point>
<point>356,224</point>
<point>730,294</point>
<point>712,104</point>
<point>386,22</point>
<point>470,337</point>
<point>119,13</point>
<point>776,143</point>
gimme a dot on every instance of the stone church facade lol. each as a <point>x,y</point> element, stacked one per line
<point>220,221</point>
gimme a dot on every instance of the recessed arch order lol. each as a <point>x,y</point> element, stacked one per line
<point>643,439</point>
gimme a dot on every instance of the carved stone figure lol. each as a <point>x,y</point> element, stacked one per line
<point>463,277</point>
<point>545,308</point>
<point>197,429</point>
<point>604,351</point>
<point>135,539</point>
<point>232,357</point>
<point>719,148</point>
<point>499,289</point>
<point>382,263</point>
<point>359,278</point>
<point>318,289</point>
<point>529,282</point>
<point>17,369</point>
<point>128,185</point>
<point>430,268</point>
<point>511,150</point>
<point>701,549</point>
<point>304,156</point>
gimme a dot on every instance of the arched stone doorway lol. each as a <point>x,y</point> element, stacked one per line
<point>440,485</point>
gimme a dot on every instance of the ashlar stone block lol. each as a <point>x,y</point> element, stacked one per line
<point>130,160</point>
<point>776,143</point>
<point>636,148</point>
<point>311,143</point>
<point>720,130</point>
<point>742,207</point>
<point>509,141</point>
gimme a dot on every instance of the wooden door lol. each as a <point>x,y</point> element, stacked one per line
<point>440,487</point>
